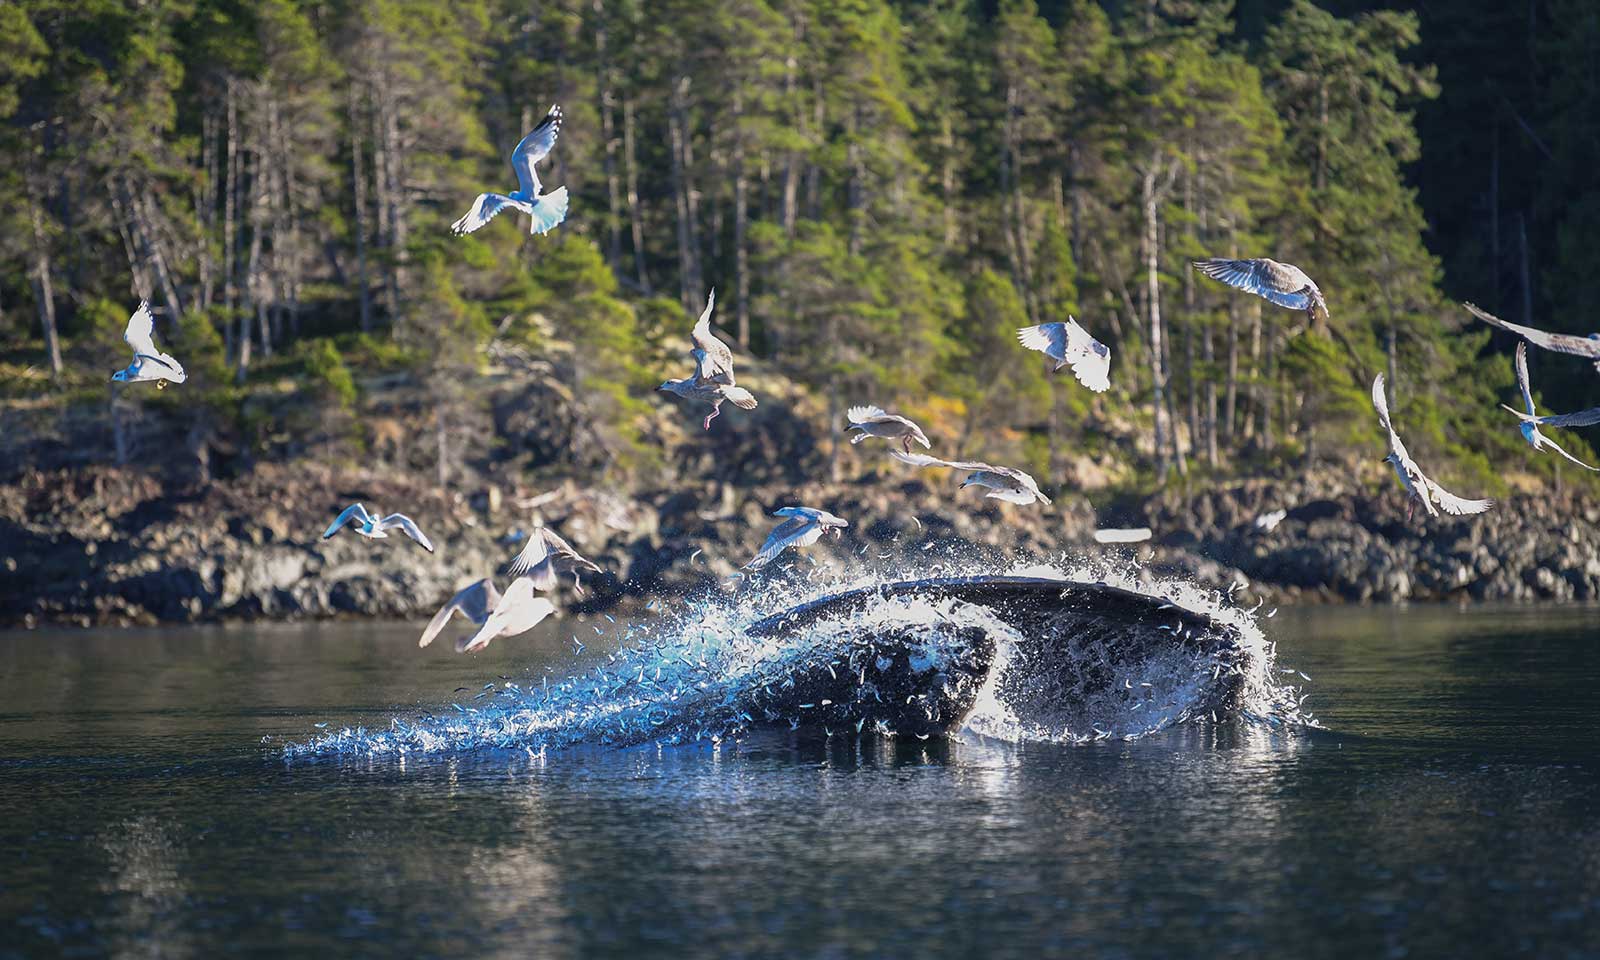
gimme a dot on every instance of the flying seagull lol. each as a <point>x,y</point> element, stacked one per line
<point>803,527</point>
<point>546,556</point>
<point>148,362</point>
<point>713,393</point>
<point>1283,283</point>
<point>1434,497</point>
<point>1070,345</point>
<point>547,209</point>
<point>1586,347</point>
<point>373,528</point>
<point>475,603</point>
<point>1004,483</point>
<point>1530,425</point>
<point>876,422</point>
<point>517,611</point>
<point>713,360</point>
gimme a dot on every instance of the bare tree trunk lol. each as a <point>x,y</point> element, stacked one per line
<point>1158,375</point>
<point>947,177</point>
<point>230,200</point>
<point>44,294</point>
<point>358,177</point>
<point>681,199</point>
<point>741,224</point>
<point>635,214</point>
<point>791,164</point>
<point>604,81</point>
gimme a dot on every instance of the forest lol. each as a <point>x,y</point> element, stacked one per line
<point>880,192</point>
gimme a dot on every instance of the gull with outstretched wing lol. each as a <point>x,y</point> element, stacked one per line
<point>804,526</point>
<point>372,527</point>
<point>546,210</point>
<point>148,362</point>
<point>1529,426</point>
<point>876,422</point>
<point>546,556</point>
<point>1070,345</point>
<point>1004,483</point>
<point>1283,283</point>
<point>1418,485</point>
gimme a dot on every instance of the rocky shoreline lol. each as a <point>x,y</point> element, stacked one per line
<point>100,545</point>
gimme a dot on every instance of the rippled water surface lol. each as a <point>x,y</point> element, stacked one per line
<point>1451,807</point>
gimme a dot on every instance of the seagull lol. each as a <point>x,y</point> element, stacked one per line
<point>713,360</point>
<point>1004,483</point>
<point>1122,535</point>
<point>1069,344</point>
<point>373,528</point>
<point>1530,424</point>
<point>712,393</point>
<point>474,603</point>
<point>804,527</point>
<point>1268,522</point>
<point>875,422</point>
<point>148,362</point>
<point>517,611</point>
<point>546,556</point>
<point>1586,347</point>
<point>547,210</point>
<point>1283,283</point>
<point>1419,486</point>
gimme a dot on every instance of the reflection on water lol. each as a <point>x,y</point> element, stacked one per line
<point>1451,808</point>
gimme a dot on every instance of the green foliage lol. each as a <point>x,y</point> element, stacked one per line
<point>881,194</point>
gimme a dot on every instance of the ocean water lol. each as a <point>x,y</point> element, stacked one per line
<point>248,790</point>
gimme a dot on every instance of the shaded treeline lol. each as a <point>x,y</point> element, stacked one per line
<point>882,193</point>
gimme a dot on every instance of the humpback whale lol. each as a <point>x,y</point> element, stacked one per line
<point>1073,645</point>
<point>1005,656</point>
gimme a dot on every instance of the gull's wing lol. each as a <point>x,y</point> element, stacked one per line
<point>924,460</point>
<point>866,414</point>
<point>484,209</point>
<point>1281,283</point>
<point>1522,376</point>
<point>533,148</point>
<point>1546,441</point>
<point>1090,359</point>
<point>1452,504</point>
<point>1558,342</point>
<point>1023,478</point>
<point>138,335</point>
<point>1012,496</point>
<point>475,603</point>
<point>532,553</point>
<point>355,510</point>
<point>1047,338</point>
<point>797,531</point>
<point>714,361</point>
<point>1583,418</point>
<point>408,527</point>
<point>1380,403</point>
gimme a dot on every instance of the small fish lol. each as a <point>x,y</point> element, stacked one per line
<point>1272,613</point>
<point>695,555</point>
<point>916,521</point>
<point>458,689</point>
<point>319,726</point>
<point>608,617</point>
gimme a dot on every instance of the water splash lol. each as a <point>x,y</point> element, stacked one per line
<point>909,666</point>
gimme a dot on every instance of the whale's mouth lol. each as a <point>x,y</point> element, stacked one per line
<point>1027,656</point>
